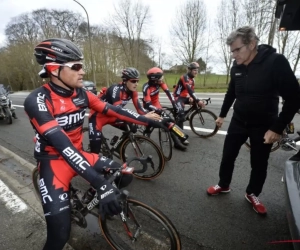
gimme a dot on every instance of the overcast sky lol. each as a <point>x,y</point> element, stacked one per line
<point>162,11</point>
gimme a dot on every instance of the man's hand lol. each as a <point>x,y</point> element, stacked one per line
<point>201,104</point>
<point>220,121</point>
<point>108,203</point>
<point>271,137</point>
<point>153,116</point>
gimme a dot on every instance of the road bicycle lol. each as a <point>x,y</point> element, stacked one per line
<point>138,226</point>
<point>286,143</point>
<point>201,120</point>
<point>131,144</point>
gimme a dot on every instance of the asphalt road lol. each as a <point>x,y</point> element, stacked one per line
<point>222,222</point>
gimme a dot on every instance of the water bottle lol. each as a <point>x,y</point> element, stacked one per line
<point>178,131</point>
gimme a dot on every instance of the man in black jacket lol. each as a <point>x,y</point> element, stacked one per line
<point>258,77</point>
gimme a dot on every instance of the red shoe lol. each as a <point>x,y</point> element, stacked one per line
<point>214,190</point>
<point>257,205</point>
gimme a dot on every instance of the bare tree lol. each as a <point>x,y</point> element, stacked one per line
<point>229,18</point>
<point>128,23</point>
<point>187,30</point>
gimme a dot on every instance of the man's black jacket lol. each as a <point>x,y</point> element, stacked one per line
<point>256,88</point>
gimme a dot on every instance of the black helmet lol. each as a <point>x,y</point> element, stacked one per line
<point>57,50</point>
<point>130,73</point>
<point>155,74</point>
<point>193,65</point>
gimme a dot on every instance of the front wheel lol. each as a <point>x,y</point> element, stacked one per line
<point>8,116</point>
<point>165,143</point>
<point>203,123</point>
<point>141,227</point>
<point>143,146</point>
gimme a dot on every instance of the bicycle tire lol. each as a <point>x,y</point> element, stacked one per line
<point>194,122</point>
<point>275,146</point>
<point>165,142</point>
<point>35,181</point>
<point>156,153</point>
<point>150,238</point>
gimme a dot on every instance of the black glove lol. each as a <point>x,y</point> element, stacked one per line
<point>108,203</point>
<point>164,123</point>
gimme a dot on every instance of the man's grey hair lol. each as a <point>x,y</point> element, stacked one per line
<point>246,33</point>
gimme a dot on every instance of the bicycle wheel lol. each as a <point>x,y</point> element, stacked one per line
<point>275,145</point>
<point>165,143</point>
<point>143,147</point>
<point>147,228</point>
<point>203,123</point>
<point>36,183</point>
<point>85,142</point>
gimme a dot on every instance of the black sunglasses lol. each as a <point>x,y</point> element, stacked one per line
<point>133,80</point>
<point>73,66</point>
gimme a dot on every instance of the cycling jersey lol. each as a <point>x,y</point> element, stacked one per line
<point>151,96</point>
<point>117,96</point>
<point>57,116</point>
<point>185,87</point>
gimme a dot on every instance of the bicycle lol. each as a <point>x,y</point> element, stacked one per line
<point>138,226</point>
<point>130,144</point>
<point>286,143</point>
<point>202,121</point>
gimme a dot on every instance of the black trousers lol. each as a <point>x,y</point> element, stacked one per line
<point>238,133</point>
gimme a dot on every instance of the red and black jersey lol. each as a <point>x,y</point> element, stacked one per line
<point>151,95</point>
<point>185,87</point>
<point>117,95</point>
<point>58,118</point>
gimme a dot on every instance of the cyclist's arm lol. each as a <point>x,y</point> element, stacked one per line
<point>185,83</point>
<point>137,104</point>
<point>229,97</point>
<point>169,95</point>
<point>122,114</point>
<point>39,112</point>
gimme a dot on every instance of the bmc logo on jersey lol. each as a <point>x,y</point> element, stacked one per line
<point>70,119</point>
<point>76,158</point>
<point>41,102</point>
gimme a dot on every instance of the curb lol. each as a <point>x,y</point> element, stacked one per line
<point>19,159</point>
<point>30,167</point>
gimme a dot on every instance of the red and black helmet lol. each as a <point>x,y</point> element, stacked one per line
<point>155,74</point>
<point>57,50</point>
<point>193,65</point>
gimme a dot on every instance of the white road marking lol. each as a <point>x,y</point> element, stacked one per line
<point>11,201</point>
<point>220,132</point>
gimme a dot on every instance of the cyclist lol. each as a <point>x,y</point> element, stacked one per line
<point>151,98</point>
<point>56,111</point>
<point>184,92</point>
<point>118,95</point>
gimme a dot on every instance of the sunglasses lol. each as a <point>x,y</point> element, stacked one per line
<point>72,66</point>
<point>133,80</point>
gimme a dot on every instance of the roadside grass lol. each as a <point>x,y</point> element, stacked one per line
<point>214,83</point>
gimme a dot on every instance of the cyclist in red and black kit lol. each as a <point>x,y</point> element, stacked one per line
<point>56,111</point>
<point>118,95</point>
<point>184,92</point>
<point>151,98</point>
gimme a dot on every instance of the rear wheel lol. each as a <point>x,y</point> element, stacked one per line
<point>203,123</point>
<point>143,146</point>
<point>36,183</point>
<point>146,228</point>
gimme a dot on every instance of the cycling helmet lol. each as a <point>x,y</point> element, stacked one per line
<point>57,50</point>
<point>130,73</point>
<point>155,74</point>
<point>193,65</point>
